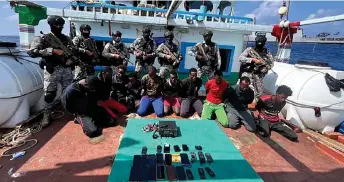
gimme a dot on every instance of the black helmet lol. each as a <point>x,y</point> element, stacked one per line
<point>260,38</point>
<point>55,20</point>
<point>146,30</point>
<point>208,32</point>
<point>168,34</point>
<point>85,26</point>
<point>117,34</point>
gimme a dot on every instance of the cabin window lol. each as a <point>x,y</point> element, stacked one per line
<point>197,4</point>
<point>225,59</point>
<point>225,8</point>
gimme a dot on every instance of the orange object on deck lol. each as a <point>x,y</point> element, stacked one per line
<point>340,139</point>
<point>333,135</point>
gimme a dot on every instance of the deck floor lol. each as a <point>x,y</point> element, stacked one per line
<point>64,153</point>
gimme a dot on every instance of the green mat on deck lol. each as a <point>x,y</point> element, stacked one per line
<point>228,165</point>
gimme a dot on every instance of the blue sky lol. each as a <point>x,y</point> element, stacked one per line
<point>264,11</point>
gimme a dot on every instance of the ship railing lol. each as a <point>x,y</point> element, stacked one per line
<point>323,38</point>
<point>157,12</point>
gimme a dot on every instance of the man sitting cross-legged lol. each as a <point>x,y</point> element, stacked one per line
<point>269,107</point>
<point>190,99</point>
<point>172,90</point>
<point>151,93</point>
<point>213,104</point>
<point>236,101</point>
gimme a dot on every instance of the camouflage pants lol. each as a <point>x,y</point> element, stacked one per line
<point>207,71</point>
<point>61,75</point>
<point>256,84</point>
<point>140,67</point>
<point>165,70</point>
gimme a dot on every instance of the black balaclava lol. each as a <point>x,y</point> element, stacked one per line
<point>207,35</point>
<point>56,24</point>
<point>169,36</point>
<point>85,30</point>
<point>116,38</point>
<point>260,42</point>
<point>146,33</point>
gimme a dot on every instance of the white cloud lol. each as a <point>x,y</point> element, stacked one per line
<point>266,9</point>
<point>13,17</point>
<point>321,13</point>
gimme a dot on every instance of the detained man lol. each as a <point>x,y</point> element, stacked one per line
<point>214,103</point>
<point>85,99</point>
<point>236,100</point>
<point>268,107</point>
<point>172,91</point>
<point>190,100</point>
<point>152,86</point>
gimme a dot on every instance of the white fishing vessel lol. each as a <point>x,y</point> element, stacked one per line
<point>189,19</point>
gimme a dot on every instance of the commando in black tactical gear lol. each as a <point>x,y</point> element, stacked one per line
<point>169,55</point>
<point>255,64</point>
<point>207,55</point>
<point>88,52</point>
<point>55,50</point>
<point>116,52</point>
<point>144,49</point>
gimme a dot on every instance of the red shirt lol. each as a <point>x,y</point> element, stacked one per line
<point>215,91</point>
<point>269,109</point>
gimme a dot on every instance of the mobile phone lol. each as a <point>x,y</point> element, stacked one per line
<point>159,159</point>
<point>151,159</point>
<point>209,158</point>
<point>201,157</point>
<point>176,148</point>
<point>171,173</point>
<point>201,173</point>
<point>137,160</point>
<point>160,172</point>
<point>180,173</point>
<point>189,174</point>
<point>210,172</point>
<point>168,159</point>
<point>185,159</point>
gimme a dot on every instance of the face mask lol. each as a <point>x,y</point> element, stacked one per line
<point>146,35</point>
<point>207,39</point>
<point>169,39</point>
<point>85,34</point>
<point>260,45</point>
<point>57,30</point>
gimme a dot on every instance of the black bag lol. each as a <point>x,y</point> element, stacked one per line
<point>332,83</point>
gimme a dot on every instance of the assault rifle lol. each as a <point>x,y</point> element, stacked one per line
<point>262,66</point>
<point>90,45</point>
<point>175,60</point>
<point>212,60</point>
<point>56,43</point>
<point>113,49</point>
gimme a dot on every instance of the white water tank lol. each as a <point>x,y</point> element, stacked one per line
<point>309,90</point>
<point>21,86</point>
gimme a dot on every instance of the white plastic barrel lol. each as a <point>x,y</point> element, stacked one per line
<point>309,91</point>
<point>21,87</point>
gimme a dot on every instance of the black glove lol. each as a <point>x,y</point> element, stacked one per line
<point>42,63</point>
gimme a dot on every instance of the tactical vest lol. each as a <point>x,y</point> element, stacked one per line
<point>210,51</point>
<point>55,60</point>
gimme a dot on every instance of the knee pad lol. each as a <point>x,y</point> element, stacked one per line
<point>49,96</point>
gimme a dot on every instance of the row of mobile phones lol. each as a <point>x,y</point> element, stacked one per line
<point>140,173</point>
